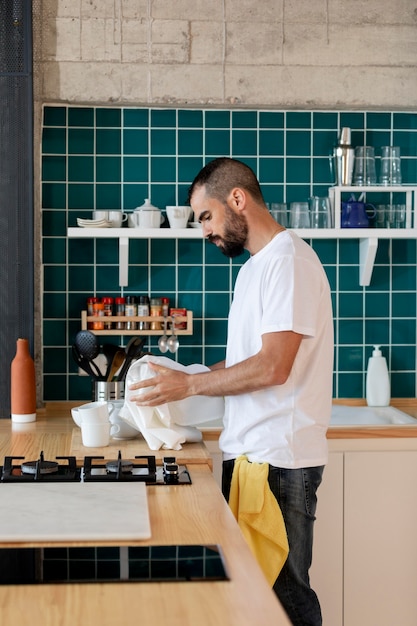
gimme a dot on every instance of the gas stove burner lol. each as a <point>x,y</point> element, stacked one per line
<point>44,467</point>
<point>125,466</point>
<point>41,470</point>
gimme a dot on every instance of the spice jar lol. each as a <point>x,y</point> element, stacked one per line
<point>90,311</point>
<point>120,310</point>
<point>131,310</point>
<point>156,311</point>
<point>143,311</point>
<point>98,312</point>
<point>108,311</point>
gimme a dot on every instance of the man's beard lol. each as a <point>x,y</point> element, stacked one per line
<point>232,244</point>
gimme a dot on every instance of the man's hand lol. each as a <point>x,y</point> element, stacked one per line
<point>167,385</point>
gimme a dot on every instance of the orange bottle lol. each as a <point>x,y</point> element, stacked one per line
<point>23,384</point>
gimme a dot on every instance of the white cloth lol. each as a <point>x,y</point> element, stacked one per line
<point>168,425</point>
<point>282,287</point>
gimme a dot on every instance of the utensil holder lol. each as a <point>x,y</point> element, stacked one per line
<point>104,390</point>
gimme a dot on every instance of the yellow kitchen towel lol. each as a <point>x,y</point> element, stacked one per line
<point>259,516</point>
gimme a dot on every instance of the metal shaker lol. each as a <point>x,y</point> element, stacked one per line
<point>342,159</point>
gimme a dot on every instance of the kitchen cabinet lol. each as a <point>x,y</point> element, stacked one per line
<point>365,546</point>
<point>368,237</point>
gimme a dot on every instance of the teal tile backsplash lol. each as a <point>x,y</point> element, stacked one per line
<point>113,157</point>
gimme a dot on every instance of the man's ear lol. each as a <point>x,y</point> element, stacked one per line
<point>237,199</point>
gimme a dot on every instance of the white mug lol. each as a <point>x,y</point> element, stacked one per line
<point>178,216</point>
<point>120,428</point>
<point>100,215</point>
<point>117,218</point>
<point>92,412</point>
<point>145,218</point>
<point>95,434</point>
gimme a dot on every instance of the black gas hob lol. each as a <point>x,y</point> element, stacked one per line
<point>16,469</point>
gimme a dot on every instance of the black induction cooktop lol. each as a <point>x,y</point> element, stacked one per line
<point>111,564</point>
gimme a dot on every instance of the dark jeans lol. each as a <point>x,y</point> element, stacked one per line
<point>295,491</point>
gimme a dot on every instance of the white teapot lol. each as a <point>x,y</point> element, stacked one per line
<point>146,216</point>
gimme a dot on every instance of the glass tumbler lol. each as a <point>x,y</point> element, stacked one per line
<point>320,212</point>
<point>299,215</point>
<point>279,213</point>
<point>390,173</point>
<point>364,172</point>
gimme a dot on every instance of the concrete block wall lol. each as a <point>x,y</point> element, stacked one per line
<point>284,53</point>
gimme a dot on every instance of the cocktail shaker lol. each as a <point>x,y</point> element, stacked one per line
<point>342,159</point>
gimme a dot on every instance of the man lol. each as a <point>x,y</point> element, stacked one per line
<point>277,376</point>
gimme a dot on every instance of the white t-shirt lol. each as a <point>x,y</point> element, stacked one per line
<point>282,287</point>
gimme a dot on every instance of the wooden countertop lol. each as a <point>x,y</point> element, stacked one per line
<point>186,514</point>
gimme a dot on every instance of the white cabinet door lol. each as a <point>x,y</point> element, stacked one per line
<point>380,538</point>
<point>326,573</point>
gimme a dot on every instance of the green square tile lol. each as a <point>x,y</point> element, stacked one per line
<point>80,116</point>
<point>54,360</point>
<point>217,119</point>
<point>350,386</point>
<point>216,305</point>
<point>190,251</point>
<point>404,251</point>
<point>54,305</point>
<point>54,387</point>
<point>377,304</point>
<point>163,251</point>
<point>215,332</point>
<point>80,196</point>
<point>403,385</point>
<point>163,169</point>
<point>192,302</point>
<point>135,169</point>
<point>80,141</point>
<point>244,119</point>
<point>377,139</point>
<point>217,142</point>
<point>354,120</point>
<point>350,305</point>
<point>297,192</point>
<point>54,250</point>
<point>136,142</point>
<point>81,251</point>
<point>403,331</point>
<point>271,192</point>
<point>244,142</point>
<point>53,276</point>
<point>54,168</point>
<point>403,280</point>
<point>77,302</point>
<point>403,305</point>
<point>348,278</point>
<point>323,143</point>
<point>350,332</point>
<point>188,168</point>
<point>138,118</point>
<point>322,174</point>
<point>54,116</point>
<point>107,278</point>
<point>108,169</point>
<point>378,120</point>
<point>54,195</point>
<point>54,224</point>
<point>134,195</point>
<point>380,278</point>
<point>80,278</point>
<point>138,279</point>
<point>271,170</point>
<point>271,119</point>
<point>163,118</point>
<point>108,141</point>
<point>377,332</point>
<point>298,170</point>
<point>190,142</point>
<point>163,142</point>
<point>107,251</point>
<point>80,169</point>
<point>405,121</point>
<point>214,354</point>
<point>108,117</point>
<point>108,196</point>
<point>216,279</point>
<point>54,141</point>
<point>190,119</point>
<point>190,278</point>
<point>350,359</point>
<point>298,143</point>
<point>271,143</point>
<point>183,192</point>
<point>138,251</point>
<point>403,357</point>
<point>348,251</point>
<point>188,356</point>
<point>163,279</point>
<point>298,119</point>
<point>324,120</point>
<point>54,333</point>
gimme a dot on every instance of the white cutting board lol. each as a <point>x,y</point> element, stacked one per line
<point>73,511</point>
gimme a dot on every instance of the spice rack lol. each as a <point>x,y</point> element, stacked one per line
<point>85,319</point>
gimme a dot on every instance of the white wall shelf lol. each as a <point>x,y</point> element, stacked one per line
<point>368,237</point>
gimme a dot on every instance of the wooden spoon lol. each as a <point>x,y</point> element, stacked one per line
<point>116,363</point>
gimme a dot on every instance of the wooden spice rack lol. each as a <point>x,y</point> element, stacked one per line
<point>85,319</point>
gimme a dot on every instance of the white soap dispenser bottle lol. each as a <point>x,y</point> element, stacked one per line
<point>378,386</point>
